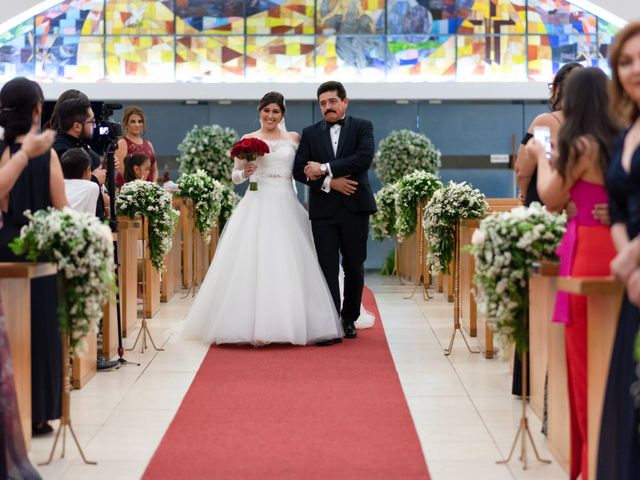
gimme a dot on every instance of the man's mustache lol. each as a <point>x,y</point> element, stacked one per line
<point>329,111</point>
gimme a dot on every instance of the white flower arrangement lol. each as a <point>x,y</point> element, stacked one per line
<point>453,202</point>
<point>404,151</point>
<point>207,148</point>
<point>149,200</point>
<point>82,248</point>
<point>419,185</point>
<point>206,195</point>
<point>505,247</point>
<point>229,200</point>
<point>383,222</point>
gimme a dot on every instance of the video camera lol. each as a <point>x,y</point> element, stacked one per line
<point>106,131</point>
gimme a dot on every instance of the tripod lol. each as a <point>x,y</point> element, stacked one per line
<point>111,190</point>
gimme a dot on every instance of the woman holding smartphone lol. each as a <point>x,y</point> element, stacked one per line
<point>576,173</point>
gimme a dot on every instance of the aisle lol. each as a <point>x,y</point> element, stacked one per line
<point>287,412</point>
<point>461,406</point>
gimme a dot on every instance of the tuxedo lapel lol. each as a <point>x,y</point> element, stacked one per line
<point>344,131</point>
<point>326,141</point>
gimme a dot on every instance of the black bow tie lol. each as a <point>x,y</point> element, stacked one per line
<point>331,124</point>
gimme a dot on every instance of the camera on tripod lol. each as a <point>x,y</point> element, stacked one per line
<point>106,131</point>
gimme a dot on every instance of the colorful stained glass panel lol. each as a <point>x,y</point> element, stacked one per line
<point>558,17</point>
<point>140,17</point>
<point>437,17</point>
<point>495,17</point>
<point>421,58</point>
<point>17,51</point>
<point>69,58</point>
<point>548,53</point>
<point>140,59</point>
<point>606,34</point>
<point>209,58</point>
<point>350,17</point>
<point>351,58</point>
<point>73,17</point>
<point>210,16</point>
<point>281,17</point>
<point>491,58</point>
<point>286,58</point>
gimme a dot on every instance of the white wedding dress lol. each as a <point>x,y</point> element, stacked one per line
<point>265,284</point>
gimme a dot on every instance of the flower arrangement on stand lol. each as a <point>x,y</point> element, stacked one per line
<point>383,222</point>
<point>207,148</point>
<point>448,205</point>
<point>412,188</point>
<point>82,247</point>
<point>405,151</point>
<point>151,201</point>
<point>206,195</point>
<point>505,247</point>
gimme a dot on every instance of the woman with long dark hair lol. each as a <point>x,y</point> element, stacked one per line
<point>619,450</point>
<point>40,185</point>
<point>577,174</point>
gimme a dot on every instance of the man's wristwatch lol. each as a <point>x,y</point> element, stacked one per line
<point>323,168</point>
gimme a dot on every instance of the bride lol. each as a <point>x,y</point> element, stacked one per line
<point>265,284</point>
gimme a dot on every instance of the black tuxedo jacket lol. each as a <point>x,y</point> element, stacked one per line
<point>354,156</point>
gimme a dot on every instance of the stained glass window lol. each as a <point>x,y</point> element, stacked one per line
<point>209,59</point>
<point>304,40</point>
<point>558,17</point>
<point>280,17</point>
<point>69,58</point>
<point>140,59</point>
<point>285,59</point>
<point>547,53</point>
<point>17,51</point>
<point>419,58</point>
<point>210,16</point>
<point>492,58</point>
<point>139,17</point>
<point>351,58</point>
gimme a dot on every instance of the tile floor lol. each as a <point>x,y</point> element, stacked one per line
<point>461,405</point>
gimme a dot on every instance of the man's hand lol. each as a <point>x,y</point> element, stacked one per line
<point>601,213</point>
<point>344,185</point>
<point>35,143</point>
<point>100,174</point>
<point>105,199</point>
<point>623,265</point>
<point>571,209</point>
<point>312,171</point>
<point>633,287</point>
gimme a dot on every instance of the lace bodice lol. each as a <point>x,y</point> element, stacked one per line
<point>277,164</point>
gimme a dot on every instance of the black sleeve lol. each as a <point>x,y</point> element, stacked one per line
<point>303,155</point>
<point>527,136</point>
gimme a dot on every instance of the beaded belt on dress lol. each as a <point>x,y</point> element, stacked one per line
<point>276,175</point>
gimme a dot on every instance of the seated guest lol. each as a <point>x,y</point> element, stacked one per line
<point>82,193</point>
<point>136,167</point>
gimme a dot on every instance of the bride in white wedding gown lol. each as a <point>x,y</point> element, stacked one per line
<point>265,284</point>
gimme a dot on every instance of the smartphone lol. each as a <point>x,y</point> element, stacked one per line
<point>543,135</point>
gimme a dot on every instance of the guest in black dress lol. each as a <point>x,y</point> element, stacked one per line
<point>39,186</point>
<point>619,449</point>
<point>14,462</point>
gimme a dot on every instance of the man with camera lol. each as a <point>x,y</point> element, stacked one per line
<point>75,122</point>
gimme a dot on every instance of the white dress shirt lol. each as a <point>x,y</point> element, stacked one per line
<point>334,131</point>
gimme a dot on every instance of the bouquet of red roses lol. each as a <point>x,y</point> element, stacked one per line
<point>249,149</point>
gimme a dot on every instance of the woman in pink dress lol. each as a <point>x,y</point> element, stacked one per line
<point>133,124</point>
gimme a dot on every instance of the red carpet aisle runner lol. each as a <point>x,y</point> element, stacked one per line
<point>299,413</point>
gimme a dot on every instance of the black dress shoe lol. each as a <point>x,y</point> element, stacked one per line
<point>332,341</point>
<point>41,428</point>
<point>349,330</point>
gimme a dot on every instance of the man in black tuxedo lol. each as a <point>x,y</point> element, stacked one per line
<point>333,158</point>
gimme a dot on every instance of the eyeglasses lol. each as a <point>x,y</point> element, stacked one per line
<point>92,122</point>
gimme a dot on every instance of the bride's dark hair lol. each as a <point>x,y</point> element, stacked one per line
<point>272,97</point>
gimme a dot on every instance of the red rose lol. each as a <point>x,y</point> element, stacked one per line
<point>249,149</point>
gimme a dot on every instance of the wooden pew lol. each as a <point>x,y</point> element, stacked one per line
<point>128,231</point>
<point>15,290</point>
<point>412,263</point>
<point>186,225</point>
<point>84,365</point>
<point>548,358</point>
<point>151,277</point>
<point>604,300</point>
<point>447,283</point>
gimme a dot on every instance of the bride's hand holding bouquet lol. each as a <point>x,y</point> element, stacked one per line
<point>249,149</point>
